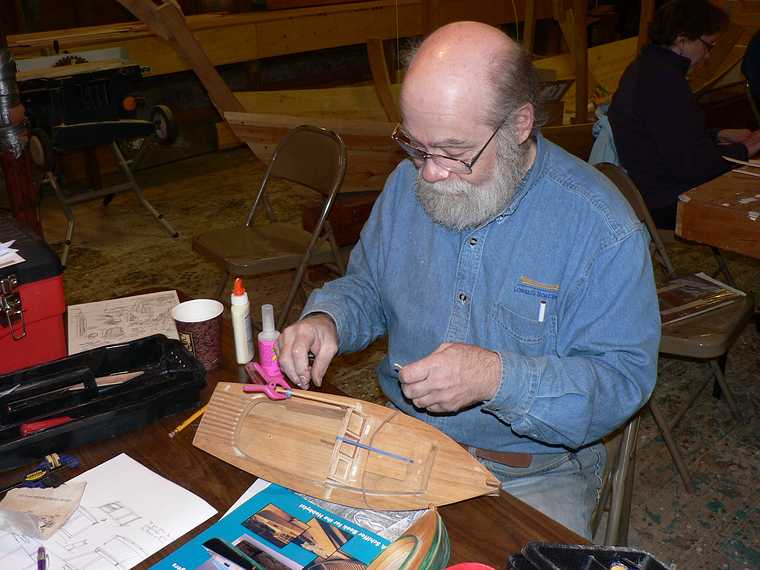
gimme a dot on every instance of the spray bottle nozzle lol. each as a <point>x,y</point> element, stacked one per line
<point>267,318</point>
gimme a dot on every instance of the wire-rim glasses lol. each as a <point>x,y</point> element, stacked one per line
<point>708,46</point>
<point>420,155</point>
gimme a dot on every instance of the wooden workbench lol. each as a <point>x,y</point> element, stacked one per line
<point>724,213</point>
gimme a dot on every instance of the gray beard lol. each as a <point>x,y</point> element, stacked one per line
<point>457,204</point>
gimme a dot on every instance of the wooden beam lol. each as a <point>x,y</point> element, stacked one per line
<point>580,47</point>
<point>381,79</point>
<point>430,21</point>
<point>529,30</point>
<point>235,38</point>
<point>645,18</point>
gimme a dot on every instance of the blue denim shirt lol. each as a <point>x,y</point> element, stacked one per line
<point>568,238</point>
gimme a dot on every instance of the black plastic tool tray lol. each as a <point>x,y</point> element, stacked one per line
<point>540,556</point>
<point>172,381</point>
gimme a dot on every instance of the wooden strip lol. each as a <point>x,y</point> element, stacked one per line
<point>234,38</point>
<point>529,31</point>
<point>367,129</point>
<point>382,80</point>
<point>353,103</point>
<point>645,18</point>
<point>580,51</point>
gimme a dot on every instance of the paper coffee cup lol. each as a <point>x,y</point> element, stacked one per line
<point>199,326</point>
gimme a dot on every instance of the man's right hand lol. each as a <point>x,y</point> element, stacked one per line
<point>316,334</point>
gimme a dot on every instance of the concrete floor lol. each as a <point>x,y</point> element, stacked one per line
<point>121,248</point>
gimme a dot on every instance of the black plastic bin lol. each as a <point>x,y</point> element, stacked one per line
<point>540,556</point>
<point>171,381</point>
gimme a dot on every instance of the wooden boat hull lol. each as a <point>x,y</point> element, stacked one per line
<point>340,449</point>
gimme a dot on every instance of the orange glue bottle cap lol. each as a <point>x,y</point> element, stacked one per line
<point>237,287</point>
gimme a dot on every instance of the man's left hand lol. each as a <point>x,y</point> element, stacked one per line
<point>451,378</point>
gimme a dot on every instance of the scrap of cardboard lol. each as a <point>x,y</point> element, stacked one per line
<point>38,513</point>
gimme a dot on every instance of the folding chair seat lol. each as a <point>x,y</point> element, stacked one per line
<point>706,337</point>
<point>315,159</point>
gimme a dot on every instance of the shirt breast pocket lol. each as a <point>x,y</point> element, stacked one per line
<point>534,337</point>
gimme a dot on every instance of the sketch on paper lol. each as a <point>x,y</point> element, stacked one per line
<point>115,527</point>
<point>119,513</point>
<point>92,325</point>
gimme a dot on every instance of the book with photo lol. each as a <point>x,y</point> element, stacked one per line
<point>693,295</point>
<point>278,529</point>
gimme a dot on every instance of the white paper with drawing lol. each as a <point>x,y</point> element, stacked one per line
<point>126,514</point>
<point>120,320</point>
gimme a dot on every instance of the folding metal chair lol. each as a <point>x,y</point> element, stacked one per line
<point>314,158</point>
<point>617,487</point>
<point>706,337</point>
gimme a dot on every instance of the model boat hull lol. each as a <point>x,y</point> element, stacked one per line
<point>340,449</point>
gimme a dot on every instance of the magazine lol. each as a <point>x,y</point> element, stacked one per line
<point>277,529</point>
<point>693,295</point>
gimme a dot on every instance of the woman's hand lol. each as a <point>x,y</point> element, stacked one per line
<point>731,136</point>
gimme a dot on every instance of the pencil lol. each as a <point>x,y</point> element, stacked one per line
<point>198,413</point>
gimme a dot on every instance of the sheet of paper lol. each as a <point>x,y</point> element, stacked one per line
<point>11,258</point>
<point>126,514</point>
<point>121,320</point>
<point>388,524</point>
<point>38,513</point>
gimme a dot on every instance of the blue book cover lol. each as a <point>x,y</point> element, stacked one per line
<point>277,529</point>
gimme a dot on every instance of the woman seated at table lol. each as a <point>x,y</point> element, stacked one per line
<point>658,127</point>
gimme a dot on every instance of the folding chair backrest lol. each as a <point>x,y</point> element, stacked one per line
<point>312,156</point>
<point>628,189</point>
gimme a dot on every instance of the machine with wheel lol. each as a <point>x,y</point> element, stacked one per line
<point>83,100</point>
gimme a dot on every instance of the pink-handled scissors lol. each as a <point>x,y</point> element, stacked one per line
<point>270,388</point>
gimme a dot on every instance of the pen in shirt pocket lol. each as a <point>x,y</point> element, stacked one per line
<point>541,311</point>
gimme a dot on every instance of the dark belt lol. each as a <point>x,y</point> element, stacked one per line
<point>508,458</point>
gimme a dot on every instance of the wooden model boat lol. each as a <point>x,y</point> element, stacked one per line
<point>340,449</point>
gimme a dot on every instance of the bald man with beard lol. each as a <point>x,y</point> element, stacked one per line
<point>512,280</point>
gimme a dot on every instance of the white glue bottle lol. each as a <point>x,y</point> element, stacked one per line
<point>267,338</point>
<point>240,309</point>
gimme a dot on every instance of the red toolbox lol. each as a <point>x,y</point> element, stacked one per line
<point>31,301</point>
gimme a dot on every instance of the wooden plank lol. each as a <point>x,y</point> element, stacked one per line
<point>290,4</point>
<point>430,19</point>
<point>382,80</point>
<point>172,20</point>
<point>529,30</point>
<point>358,102</point>
<point>580,51</point>
<point>645,19</point>
<point>723,213</point>
<point>235,38</point>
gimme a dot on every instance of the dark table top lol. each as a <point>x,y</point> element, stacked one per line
<point>485,529</point>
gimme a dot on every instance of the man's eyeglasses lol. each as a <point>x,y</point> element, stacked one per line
<point>708,46</point>
<point>420,155</point>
